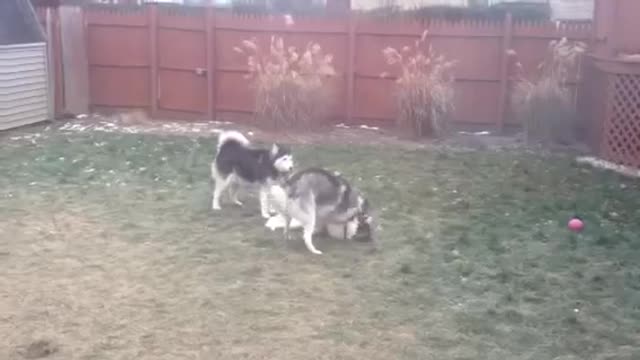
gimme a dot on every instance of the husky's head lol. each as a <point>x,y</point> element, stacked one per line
<point>281,158</point>
<point>365,221</point>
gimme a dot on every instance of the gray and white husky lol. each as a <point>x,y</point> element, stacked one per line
<point>322,201</point>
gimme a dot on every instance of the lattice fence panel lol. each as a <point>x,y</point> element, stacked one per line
<point>622,129</point>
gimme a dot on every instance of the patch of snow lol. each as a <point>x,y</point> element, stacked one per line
<point>366,127</point>
<point>277,222</point>
<point>477,133</point>
<point>607,165</point>
<point>30,137</point>
<point>74,127</point>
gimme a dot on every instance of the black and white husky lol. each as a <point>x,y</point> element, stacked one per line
<point>319,200</point>
<point>238,164</point>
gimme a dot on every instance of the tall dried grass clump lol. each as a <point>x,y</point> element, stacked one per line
<point>290,85</point>
<point>424,88</point>
<point>546,106</point>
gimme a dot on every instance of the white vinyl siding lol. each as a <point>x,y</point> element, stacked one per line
<point>23,85</point>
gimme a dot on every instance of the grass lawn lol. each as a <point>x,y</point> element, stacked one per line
<point>108,250</point>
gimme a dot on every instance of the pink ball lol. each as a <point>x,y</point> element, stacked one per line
<point>576,225</point>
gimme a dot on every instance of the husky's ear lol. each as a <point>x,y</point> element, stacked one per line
<point>274,150</point>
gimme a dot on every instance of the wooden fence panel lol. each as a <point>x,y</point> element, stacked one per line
<point>119,60</point>
<point>181,60</point>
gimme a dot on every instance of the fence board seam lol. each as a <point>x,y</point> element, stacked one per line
<point>504,71</point>
<point>188,30</point>
<point>210,46</point>
<point>351,61</point>
<point>118,66</point>
<point>101,25</point>
<point>153,59</point>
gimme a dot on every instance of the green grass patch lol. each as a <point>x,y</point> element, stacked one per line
<point>108,248</point>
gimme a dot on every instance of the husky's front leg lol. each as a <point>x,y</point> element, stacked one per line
<point>234,189</point>
<point>287,227</point>
<point>264,202</point>
<point>219,185</point>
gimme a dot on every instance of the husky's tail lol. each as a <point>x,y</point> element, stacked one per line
<point>231,135</point>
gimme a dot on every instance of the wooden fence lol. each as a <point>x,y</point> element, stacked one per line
<point>179,62</point>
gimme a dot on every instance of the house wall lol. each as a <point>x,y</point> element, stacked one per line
<point>561,9</point>
<point>572,9</point>
<point>23,85</point>
<point>407,4</point>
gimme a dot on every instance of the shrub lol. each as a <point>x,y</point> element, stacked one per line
<point>424,88</point>
<point>545,106</point>
<point>290,85</point>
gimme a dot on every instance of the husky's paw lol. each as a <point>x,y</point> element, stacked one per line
<point>274,223</point>
<point>295,224</point>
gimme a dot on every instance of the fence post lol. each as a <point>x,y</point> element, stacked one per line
<point>152,13</point>
<point>75,64</point>
<point>210,23</point>
<point>507,36</point>
<point>594,43</point>
<point>51,75</point>
<point>615,30</point>
<point>55,42</point>
<point>351,59</point>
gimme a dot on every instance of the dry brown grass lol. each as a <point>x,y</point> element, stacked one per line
<point>291,84</point>
<point>545,105</point>
<point>424,88</point>
<point>75,288</point>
